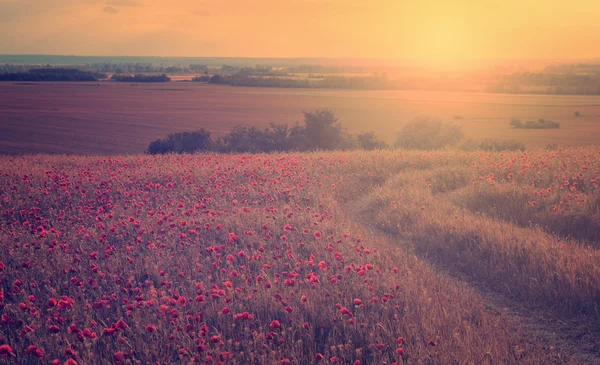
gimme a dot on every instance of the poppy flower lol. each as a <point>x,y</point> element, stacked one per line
<point>6,351</point>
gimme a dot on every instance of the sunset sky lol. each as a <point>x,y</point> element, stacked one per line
<point>428,30</point>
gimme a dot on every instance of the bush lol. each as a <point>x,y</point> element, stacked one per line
<point>516,123</point>
<point>368,141</point>
<point>428,133</point>
<point>182,142</point>
<point>243,139</point>
<point>539,124</point>
<point>321,130</point>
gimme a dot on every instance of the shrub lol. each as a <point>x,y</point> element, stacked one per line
<point>321,130</point>
<point>158,147</point>
<point>244,139</point>
<point>428,133</point>
<point>182,142</point>
<point>368,141</point>
<point>516,123</point>
<point>539,124</point>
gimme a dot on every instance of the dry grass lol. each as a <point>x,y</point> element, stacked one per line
<point>171,241</point>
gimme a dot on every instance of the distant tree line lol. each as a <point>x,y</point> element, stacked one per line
<point>330,82</point>
<point>141,78</point>
<point>548,83</point>
<point>52,74</point>
<point>532,124</point>
<point>321,130</point>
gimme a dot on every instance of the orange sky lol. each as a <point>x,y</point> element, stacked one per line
<point>436,31</point>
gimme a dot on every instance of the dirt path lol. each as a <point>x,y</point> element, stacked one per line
<point>576,338</point>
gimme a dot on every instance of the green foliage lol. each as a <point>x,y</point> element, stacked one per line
<point>320,131</point>
<point>182,142</point>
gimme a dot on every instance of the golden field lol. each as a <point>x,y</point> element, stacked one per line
<point>120,118</point>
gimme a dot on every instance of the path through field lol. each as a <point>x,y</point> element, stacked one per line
<point>574,335</point>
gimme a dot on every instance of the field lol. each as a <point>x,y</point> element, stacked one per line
<point>115,118</point>
<point>386,257</point>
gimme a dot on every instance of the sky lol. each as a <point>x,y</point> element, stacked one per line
<point>436,31</point>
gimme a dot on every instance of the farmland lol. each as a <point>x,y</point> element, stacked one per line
<point>384,257</point>
<point>112,118</point>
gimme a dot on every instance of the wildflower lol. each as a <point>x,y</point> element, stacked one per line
<point>6,351</point>
<point>274,325</point>
<point>121,325</point>
<point>119,356</point>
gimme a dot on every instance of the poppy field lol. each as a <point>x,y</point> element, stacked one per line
<point>334,258</point>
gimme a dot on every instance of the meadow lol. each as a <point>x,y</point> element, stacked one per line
<point>121,118</point>
<point>382,257</point>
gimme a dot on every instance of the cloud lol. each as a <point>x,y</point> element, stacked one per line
<point>127,3</point>
<point>110,10</point>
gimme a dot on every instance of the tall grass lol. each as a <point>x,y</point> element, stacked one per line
<point>237,259</point>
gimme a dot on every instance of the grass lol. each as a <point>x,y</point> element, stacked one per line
<point>298,257</point>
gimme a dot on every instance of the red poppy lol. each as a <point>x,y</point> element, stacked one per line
<point>6,351</point>
<point>274,325</point>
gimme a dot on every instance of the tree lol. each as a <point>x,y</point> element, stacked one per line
<point>322,130</point>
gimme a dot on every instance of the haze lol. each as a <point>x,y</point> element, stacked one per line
<point>434,32</point>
